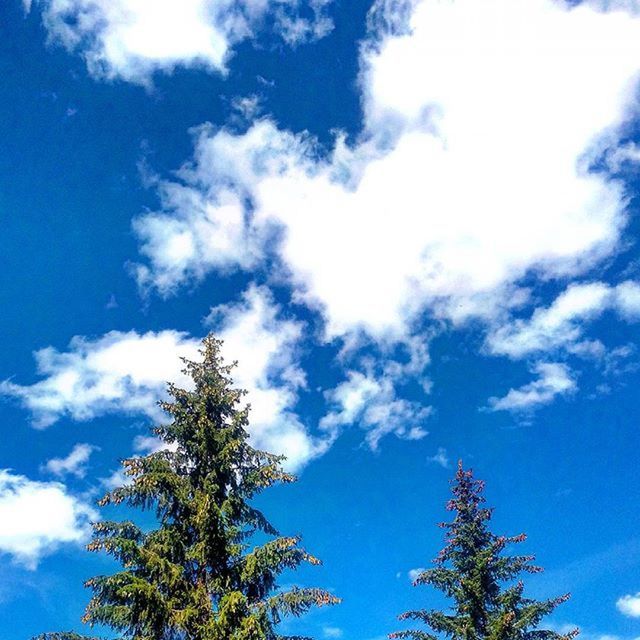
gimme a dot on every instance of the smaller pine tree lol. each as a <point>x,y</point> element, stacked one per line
<point>483,582</point>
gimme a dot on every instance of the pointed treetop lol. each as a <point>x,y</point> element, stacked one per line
<point>482,581</point>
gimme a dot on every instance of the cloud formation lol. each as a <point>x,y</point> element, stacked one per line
<point>37,517</point>
<point>554,378</point>
<point>373,402</point>
<point>127,373</point>
<point>441,458</point>
<point>266,347</point>
<point>132,39</point>
<point>123,372</point>
<point>472,171</point>
<point>74,464</point>
<point>629,605</point>
<point>563,322</point>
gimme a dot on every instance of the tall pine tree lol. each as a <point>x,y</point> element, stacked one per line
<point>195,576</point>
<point>483,582</point>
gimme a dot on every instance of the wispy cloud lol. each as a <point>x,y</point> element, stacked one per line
<point>372,402</point>
<point>562,324</point>
<point>73,464</point>
<point>553,379</point>
<point>591,568</point>
<point>441,458</point>
<point>266,348</point>
<point>132,39</point>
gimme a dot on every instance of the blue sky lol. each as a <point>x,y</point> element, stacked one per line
<point>414,223</point>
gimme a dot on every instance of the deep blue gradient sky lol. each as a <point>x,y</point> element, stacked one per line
<point>84,154</point>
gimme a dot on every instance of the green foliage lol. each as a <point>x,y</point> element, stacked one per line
<point>472,570</point>
<point>195,576</point>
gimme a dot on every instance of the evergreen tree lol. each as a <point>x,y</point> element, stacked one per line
<point>472,570</point>
<point>194,577</point>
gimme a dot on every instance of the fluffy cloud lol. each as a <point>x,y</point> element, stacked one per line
<point>74,464</point>
<point>203,225</point>
<point>562,323</point>
<point>128,372</point>
<point>629,605</point>
<point>472,170</point>
<point>266,348</point>
<point>553,379</point>
<point>130,39</point>
<point>372,402</point>
<point>627,300</point>
<point>37,517</point>
<point>119,372</point>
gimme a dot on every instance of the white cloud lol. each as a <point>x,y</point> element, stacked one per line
<point>151,444</point>
<point>201,230</point>
<point>37,517</point>
<point>131,39</point>
<point>562,323</point>
<point>119,372</point>
<point>471,173</point>
<point>73,464</point>
<point>246,108</point>
<point>294,29</point>
<point>441,458</point>
<point>627,300</point>
<point>128,372</point>
<point>624,154</point>
<point>629,605</point>
<point>332,632</point>
<point>115,479</point>
<point>266,349</point>
<point>372,402</point>
<point>559,324</point>
<point>553,379</point>
<point>414,573</point>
